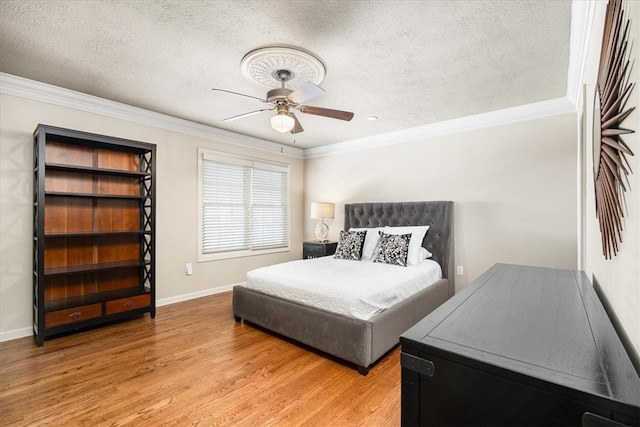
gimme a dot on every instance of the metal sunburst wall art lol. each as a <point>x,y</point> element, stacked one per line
<point>613,89</point>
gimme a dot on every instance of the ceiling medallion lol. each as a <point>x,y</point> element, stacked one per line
<point>613,89</point>
<point>261,66</point>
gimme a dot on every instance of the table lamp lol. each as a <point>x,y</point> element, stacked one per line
<point>322,211</point>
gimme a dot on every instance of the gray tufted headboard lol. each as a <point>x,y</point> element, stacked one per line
<point>438,215</point>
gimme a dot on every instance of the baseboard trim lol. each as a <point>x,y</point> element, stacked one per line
<point>15,334</point>
<point>194,295</point>
<point>28,331</point>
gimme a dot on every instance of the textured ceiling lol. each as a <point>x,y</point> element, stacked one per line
<point>410,63</point>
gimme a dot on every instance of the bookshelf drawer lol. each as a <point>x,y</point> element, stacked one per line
<point>130,303</point>
<point>72,315</point>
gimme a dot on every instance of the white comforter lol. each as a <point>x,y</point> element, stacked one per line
<point>358,289</point>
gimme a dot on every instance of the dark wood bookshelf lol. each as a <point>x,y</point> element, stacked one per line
<point>94,230</point>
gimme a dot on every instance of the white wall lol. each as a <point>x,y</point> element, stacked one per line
<point>620,276</point>
<point>176,214</point>
<point>514,188</point>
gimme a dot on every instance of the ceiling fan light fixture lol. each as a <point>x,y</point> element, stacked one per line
<point>282,122</point>
<point>292,76</point>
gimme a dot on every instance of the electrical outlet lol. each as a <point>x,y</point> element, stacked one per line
<point>189,269</point>
<point>460,271</point>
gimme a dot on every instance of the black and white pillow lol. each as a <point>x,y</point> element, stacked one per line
<point>392,249</point>
<point>350,245</point>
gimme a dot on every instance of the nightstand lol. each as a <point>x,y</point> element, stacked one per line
<point>317,249</point>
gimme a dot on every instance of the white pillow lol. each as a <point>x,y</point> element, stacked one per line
<point>370,240</point>
<point>424,254</point>
<point>417,236</point>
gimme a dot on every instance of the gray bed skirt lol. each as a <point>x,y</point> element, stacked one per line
<point>361,342</point>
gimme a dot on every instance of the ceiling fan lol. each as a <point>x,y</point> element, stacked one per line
<point>283,100</point>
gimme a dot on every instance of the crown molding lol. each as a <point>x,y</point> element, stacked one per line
<point>581,23</point>
<point>49,94</point>
<point>552,107</point>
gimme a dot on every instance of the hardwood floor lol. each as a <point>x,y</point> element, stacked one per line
<point>191,365</point>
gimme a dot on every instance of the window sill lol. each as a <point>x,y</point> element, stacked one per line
<point>239,254</point>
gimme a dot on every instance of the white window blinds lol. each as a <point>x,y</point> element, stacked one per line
<point>244,206</point>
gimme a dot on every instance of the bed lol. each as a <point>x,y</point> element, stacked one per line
<point>359,341</point>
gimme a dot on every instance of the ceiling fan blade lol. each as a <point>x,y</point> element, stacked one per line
<point>326,112</point>
<point>241,94</point>
<point>297,127</point>
<point>305,93</point>
<point>251,113</point>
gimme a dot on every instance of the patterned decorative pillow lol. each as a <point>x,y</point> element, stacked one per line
<point>350,245</point>
<point>392,249</point>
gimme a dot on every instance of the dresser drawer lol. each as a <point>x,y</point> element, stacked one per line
<point>126,304</point>
<point>314,250</point>
<point>72,315</point>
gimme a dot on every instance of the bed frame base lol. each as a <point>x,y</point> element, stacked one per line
<point>358,341</point>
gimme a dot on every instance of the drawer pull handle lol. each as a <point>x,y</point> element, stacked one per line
<point>416,364</point>
<point>128,303</point>
<point>75,315</point>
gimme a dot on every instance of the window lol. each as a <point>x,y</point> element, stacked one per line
<point>244,206</point>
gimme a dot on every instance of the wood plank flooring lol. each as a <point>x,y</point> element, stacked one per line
<point>191,365</point>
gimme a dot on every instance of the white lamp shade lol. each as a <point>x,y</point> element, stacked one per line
<point>282,122</point>
<point>322,210</point>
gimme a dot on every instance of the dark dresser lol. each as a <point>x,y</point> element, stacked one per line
<point>519,346</point>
